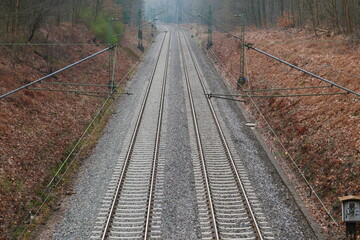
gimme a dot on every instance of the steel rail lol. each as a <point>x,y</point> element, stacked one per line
<point>157,145</point>
<point>131,146</point>
<point>303,70</point>
<point>232,162</point>
<point>199,144</point>
<point>56,72</point>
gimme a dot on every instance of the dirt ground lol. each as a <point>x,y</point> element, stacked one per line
<point>38,128</point>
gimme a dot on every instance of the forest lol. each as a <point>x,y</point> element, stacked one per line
<point>21,19</point>
<point>337,16</point>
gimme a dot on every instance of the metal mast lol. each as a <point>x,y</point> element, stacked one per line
<point>242,78</point>
<point>140,31</point>
<point>209,41</point>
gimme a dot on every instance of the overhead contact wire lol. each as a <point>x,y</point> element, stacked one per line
<point>303,70</point>
<point>75,147</point>
<point>56,72</point>
<point>282,145</point>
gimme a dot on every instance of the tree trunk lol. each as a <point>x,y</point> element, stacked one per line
<point>348,23</point>
<point>16,24</point>
<point>258,8</point>
<point>265,19</point>
<point>282,7</point>
<point>310,6</point>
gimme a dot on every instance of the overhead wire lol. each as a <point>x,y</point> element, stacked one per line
<point>72,91</point>
<point>286,42</point>
<point>319,64</point>
<point>250,46</point>
<point>69,66</point>
<point>280,142</point>
<point>46,193</point>
<point>75,84</point>
<point>276,136</point>
<point>279,96</point>
<point>223,24</point>
<point>53,44</point>
<point>303,70</point>
<point>54,73</point>
<point>278,139</point>
<point>285,89</point>
<point>223,30</point>
<point>80,143</point>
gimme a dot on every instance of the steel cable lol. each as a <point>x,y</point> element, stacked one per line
<point>78,143</point>
<point>281,144</point>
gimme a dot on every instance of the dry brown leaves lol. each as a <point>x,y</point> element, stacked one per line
<point>36,128</point>
<point>320,132</point>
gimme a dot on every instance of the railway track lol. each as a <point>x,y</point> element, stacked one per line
<point>126,211</point>
<point>227,204</point>
<point>228,207</point>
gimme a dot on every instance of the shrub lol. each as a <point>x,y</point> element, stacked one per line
<point>101,26</point>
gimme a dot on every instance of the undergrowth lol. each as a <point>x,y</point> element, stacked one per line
<point>49,199</point>
<point>105,28</point>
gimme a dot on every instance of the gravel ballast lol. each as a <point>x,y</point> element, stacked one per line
<point>76,218</point>
<point>78,212</point>
<point>281,210</point>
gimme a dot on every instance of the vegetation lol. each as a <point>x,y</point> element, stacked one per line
<point>339,16</point>
<point>319,132</point>
<point>21,19</point>
<point>38,127</point>
<point>105,29</point>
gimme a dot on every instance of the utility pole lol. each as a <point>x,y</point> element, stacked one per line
<point>152,16</point>
<point>140,32</point>
<point>112,40</point>
<point>127,14</point>
<point>199,21</point>
<point>152,21</point>
<point>242,78</point>
<point>166,16</point>
<point>179,11</point>
<point>209,41</point>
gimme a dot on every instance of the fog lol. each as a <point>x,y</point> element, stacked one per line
<point>168,11</point>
